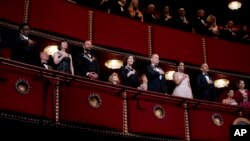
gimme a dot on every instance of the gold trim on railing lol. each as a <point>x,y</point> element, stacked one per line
<point>8,25</point>
<point>26,10</point>
<point>81,128</point>
<point>149,40</point>
<point>186,118</point>
<point>78,43</point>
<point>56,101</point>
<point>90,25</point>
<point>125,112</point>
<point>204,50</point>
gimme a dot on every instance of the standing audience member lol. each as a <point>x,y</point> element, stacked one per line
<point>200,23</point>
<point>134,11</point>
<point>63,60</point>
<point>213,29</point>
<point>242,95</point>
<point>155,76</point>
<point>150,15</point>
<point>165,17</point>
<point>182,22</point>
<point>206,89</point>
<point>229,100</point>
<point>228,32</point>
<point>87,64</point>
<point>25,49</point>
<point>119,7</point>
<point>129,75</point>
<point>183,88</point>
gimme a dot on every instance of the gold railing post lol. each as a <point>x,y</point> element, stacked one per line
<point>56,100</point>
<point>26,11</point>
<point>90,26</point>
<point>125,112</point>
<point>186,118</point>
<point>204,50</point>
<point>149,40</point>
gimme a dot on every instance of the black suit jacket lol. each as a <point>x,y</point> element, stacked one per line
<point>205,91</point>
<point>85,65</point>
<point>154,82</point>
<point>42,66</point>
<point>178,22</point>
<point>25,53</point>
<point>199,27</point>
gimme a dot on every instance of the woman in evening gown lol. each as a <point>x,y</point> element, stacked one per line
<point>129,76</point>
<point>183,88</point>
<point>63,60</point>
<point>242,95</point>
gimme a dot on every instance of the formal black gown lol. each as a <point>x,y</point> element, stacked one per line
<point>64,65</point>
<point>132,80</point>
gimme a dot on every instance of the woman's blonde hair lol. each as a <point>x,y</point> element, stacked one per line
<point>111,78</point>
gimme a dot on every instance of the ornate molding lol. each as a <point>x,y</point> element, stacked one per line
<point>56,100</point>
<point>49,123</point>
<point>186,118</point>
<point>125,112</point>
<point>149,40</point>
<point>241,121</point>
<point>159,111</point>
<point>26,11</point>
<point>90,25</point>
<point>79,43</point>
<point>95,100</point>
<point>18,117</point>
<point>217,119</point>
<point>22,86</point>
<point>204,50</point>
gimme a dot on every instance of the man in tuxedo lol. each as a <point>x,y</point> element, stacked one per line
<point>87,64</point>
<point>205,84</point>
<point>182,22</point>
<point>200,24</point>
<point>25,49</point>
<point>44,57</point>
<point>155,76</point>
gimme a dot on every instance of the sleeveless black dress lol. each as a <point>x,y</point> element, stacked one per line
<point>64,65</point>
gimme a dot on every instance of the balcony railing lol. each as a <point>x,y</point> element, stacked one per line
<point>63,98</point>
<point>119,33</point>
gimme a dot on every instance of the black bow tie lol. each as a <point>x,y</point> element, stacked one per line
<point>44,63</point>
<point>205,74</point>
<point>155,66</point>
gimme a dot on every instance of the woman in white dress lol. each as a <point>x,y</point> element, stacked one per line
<point>183,88</point>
